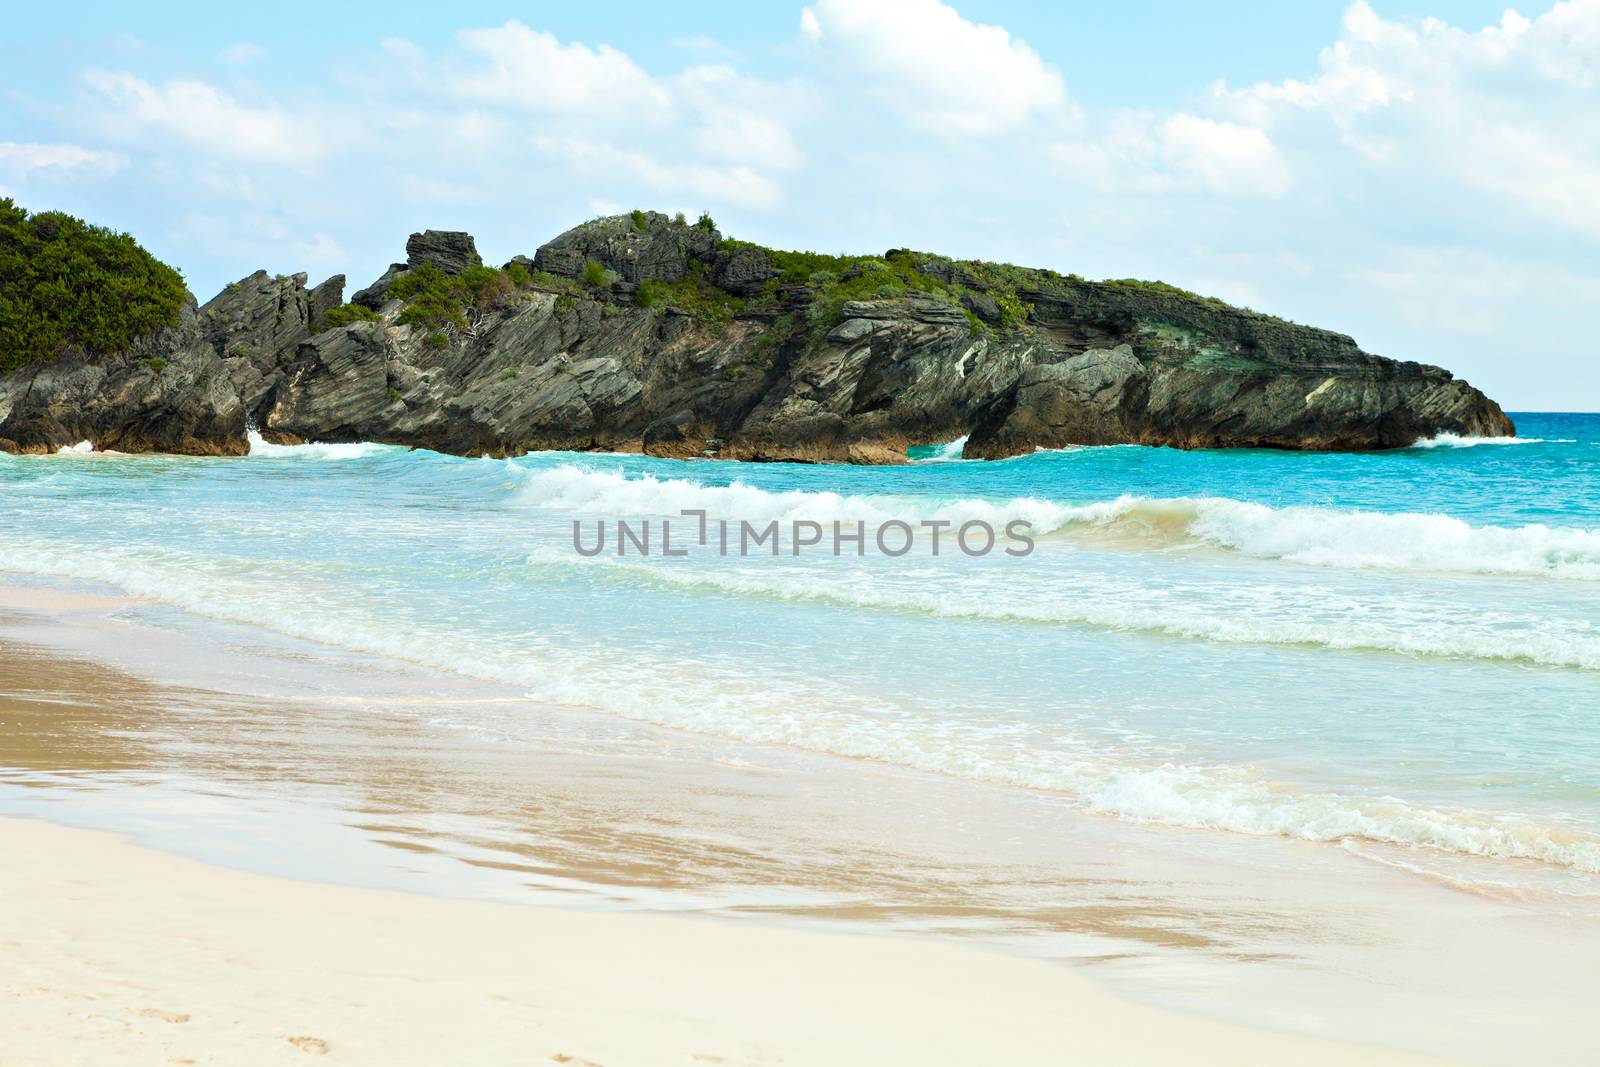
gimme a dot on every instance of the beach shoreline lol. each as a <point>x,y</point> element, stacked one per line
<point>113,722</point>
<point>120,954</point>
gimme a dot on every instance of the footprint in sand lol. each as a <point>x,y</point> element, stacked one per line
<point>314,1046</point>
<point>164,1016</point>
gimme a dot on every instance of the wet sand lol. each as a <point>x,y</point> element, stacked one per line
<point>116,954</point>
<point>294,764</point>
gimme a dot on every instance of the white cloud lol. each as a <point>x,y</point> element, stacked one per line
<point>737,118</point>
<point>935,67</point>
<point>1223,157</point>
<point>1142,153</point>
<point>531,70</point>
<point>1503,115</point>
<point>206,118</point>
<point>736,184</point>
<point>16,158</point>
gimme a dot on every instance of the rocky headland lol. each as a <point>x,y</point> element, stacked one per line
<point>652,334</point>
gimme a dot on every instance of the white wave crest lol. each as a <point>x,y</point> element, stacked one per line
<point>1095,603</point>
<point>605,493</point>
<point>1453,440</point>
<point>1400,541</point>
<point>1315,536</point>
<point>314,450</point>
<point>1228,799</point>
<point>82,448</point>
<point>760,706</point>
<point>949,452</point>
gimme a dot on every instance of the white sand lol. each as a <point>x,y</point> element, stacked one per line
<point>115,954</point>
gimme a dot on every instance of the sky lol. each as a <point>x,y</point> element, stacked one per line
<point>1422,176</point>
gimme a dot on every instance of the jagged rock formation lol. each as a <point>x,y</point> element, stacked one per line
<point>644,333</point>
<point>168,393</point>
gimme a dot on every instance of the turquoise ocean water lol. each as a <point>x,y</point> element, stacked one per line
<point>1398,652</point>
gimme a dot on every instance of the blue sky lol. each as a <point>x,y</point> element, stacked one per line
<point>1424,177</point>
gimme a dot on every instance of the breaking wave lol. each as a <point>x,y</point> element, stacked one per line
<point>314,450</point>
<point>755,707</point>
<point>1100,603</point>
<point>1452,440</point>
<point>948,452</point>
<point>1314,536</point>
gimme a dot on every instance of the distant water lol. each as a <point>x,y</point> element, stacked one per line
<point>1399,651</point>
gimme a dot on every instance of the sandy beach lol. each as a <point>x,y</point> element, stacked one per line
<point>504,903</point>
<point>121,955</point>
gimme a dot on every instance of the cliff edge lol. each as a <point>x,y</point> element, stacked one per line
<point>642,332</point>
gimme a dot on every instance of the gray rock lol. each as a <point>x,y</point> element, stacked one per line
<point>651,247</point>
<point>791,378</point>
<point>376,295</point>
<point>743,271</point>
<point>169,392</point>
<point>983,306</point>
<point>330,294</point>
<point>450,250</point>
<point>257,317</point>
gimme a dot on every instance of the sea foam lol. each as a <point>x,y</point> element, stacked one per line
<point>1314,536</point>
<point>1452,440</point>
<point>809,714</point>
<point>314,450</point>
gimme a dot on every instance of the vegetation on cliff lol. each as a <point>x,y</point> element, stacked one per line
<point>668,264</point>
<point>434,298</point>
<point>66,284</point>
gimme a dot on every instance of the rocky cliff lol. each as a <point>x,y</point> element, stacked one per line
<point>645,333</point>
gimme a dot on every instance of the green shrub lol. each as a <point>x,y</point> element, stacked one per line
<point>641,221</point>
<point>156,364</point>
<point>543,279</point>
<point>519,276</point>
<point>394,395</point>
<point>434,298</point>
<point>594,274</point>
<point>1139,285</point>
<point>438,339</point>
<point>705,221</point>
<point>692,294</point>
<point>67,284</point>
<point>347,313</point>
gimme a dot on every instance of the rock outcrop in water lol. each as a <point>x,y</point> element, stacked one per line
<point>644,333</point>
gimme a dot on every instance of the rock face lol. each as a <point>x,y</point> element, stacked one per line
<point>739,360</point>
<point>170,392</point>
<point>645,245</point>
<point>450,250</point>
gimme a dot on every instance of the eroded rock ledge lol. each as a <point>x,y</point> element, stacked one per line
<point>644,333</point>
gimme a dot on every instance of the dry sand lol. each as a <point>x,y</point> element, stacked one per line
<point>115,954</point>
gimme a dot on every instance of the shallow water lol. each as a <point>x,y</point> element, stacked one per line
<point>1396,651</point>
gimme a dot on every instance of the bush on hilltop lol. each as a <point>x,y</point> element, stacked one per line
<point>66,284</point>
